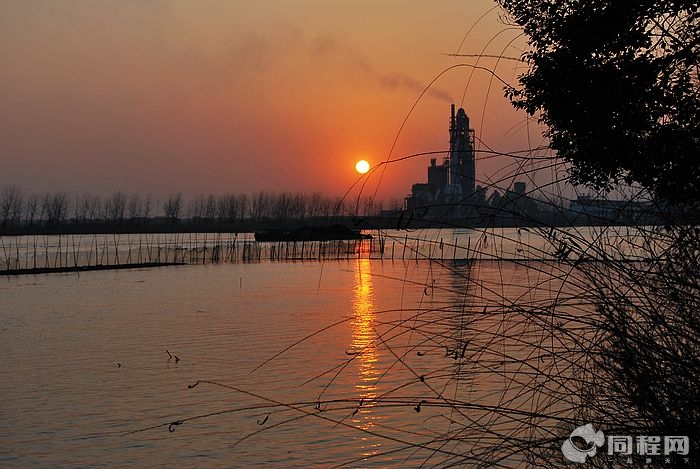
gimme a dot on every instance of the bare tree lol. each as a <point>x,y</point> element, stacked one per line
<point>242,206</point>
<point>298,206</point>
<point>377,207</point>
<point>134,207</point>
<point>11,205</point>
<point>44,204</point>
<point>339,207</point>
<point>115,207</point>
<point>210,209</point>
<point>30,209</point>
<point>223,205</point>
<point>79,212</point>
<point>172,207</point>
<point>147,205</point>
<point>194,208</point>
<point>94,208</point>
<point>83,203</point>
<point>313,205</point>
<point>261,205</point>
<point>280,206</point>
<point>326,208</point>
<point>365,206</point>
<point>55,207</point>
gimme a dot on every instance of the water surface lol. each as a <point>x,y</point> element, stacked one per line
<point>330,363</point>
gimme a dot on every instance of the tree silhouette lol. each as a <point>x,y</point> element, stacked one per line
<point>616,84</point>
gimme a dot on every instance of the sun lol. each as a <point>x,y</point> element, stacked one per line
<point>362,166</point>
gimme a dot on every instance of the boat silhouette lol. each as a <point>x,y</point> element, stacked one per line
<point>312,233</point>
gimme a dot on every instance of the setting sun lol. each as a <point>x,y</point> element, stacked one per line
<point>362,166</point>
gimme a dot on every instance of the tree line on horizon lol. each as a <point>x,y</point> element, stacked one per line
<point>61,208</point>
<point>120,207</point>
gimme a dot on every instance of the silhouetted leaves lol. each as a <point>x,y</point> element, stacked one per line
<point>616,83</point>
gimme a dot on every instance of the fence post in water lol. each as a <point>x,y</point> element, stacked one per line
<point>46,251</point>
<point>64,255</point>
<point>58,249</point>
<point>204,250</point>
<point>94,240</point>
<point>75,256</point>
<point>189,247</point>
<point>19,256</point>
<point>129,241</point>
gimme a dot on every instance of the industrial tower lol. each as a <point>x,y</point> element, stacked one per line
<point>462,174</point>
<point>453,183</point>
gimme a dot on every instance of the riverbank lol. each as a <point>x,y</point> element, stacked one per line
<point>409,219</point>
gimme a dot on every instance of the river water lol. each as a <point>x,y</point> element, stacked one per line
<point>354,363</point>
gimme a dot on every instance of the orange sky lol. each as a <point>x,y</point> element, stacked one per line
<point>231,96</point>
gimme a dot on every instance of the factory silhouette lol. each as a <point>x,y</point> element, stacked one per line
<point>451,191</point>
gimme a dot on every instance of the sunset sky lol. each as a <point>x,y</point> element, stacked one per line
<point>230,96</point>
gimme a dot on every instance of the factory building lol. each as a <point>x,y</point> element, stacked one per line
<point>453,181</point>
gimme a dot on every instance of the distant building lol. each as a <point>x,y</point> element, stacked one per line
<point>519,188</point>
<point>515,202</point>
<point>451,191</point>
<point>598,209</point>
<point>453,182</point>
<point>438,176</point>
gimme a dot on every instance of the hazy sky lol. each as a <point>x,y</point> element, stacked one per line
<point>236,96</point>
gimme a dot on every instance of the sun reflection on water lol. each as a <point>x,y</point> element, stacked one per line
<point>364,345</point>
<point>363,330</point>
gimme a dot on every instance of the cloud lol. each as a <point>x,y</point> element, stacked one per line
<point>330,48</point>
<point>259,53</point>
<point>395,81</point>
